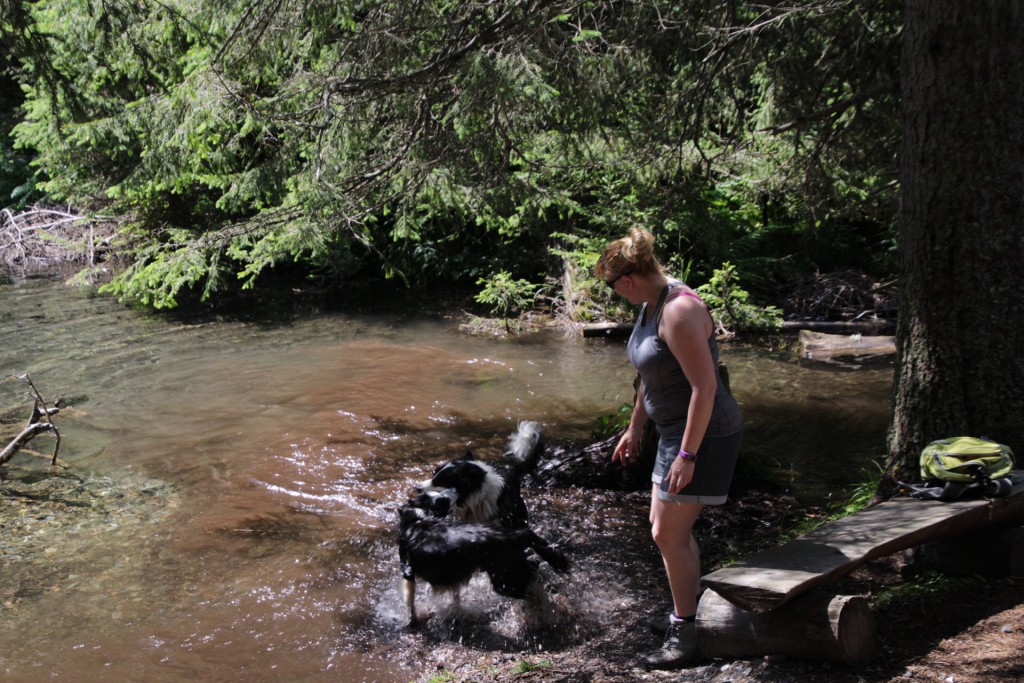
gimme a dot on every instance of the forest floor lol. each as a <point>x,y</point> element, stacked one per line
<point>931,628</point>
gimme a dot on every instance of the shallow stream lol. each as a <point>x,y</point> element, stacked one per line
<point>288,445</point>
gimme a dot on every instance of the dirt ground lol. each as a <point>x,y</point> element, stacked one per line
<point>967,630</point>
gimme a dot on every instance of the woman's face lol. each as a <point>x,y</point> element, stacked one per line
<point>625,286</point>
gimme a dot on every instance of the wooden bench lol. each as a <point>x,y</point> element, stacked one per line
<point>773,601</point>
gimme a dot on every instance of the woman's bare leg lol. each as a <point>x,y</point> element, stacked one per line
<point>672,529</point>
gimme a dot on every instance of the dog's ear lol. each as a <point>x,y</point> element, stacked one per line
<point>468,456</point>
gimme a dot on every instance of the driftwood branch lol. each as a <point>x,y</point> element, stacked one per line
<point>39,422</point>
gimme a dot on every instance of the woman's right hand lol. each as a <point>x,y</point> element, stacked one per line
<point>628,449</point>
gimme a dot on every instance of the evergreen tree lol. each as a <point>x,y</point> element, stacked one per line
<point>960,366</point>
<point>421,138</point>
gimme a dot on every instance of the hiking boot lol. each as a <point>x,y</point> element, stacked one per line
<point>679,648</point>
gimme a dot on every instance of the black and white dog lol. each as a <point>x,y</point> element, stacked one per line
<point>447,552</point>
<point>479,492</point>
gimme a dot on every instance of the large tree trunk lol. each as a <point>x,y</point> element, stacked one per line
<point>960,337</point>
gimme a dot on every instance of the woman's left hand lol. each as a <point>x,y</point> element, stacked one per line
<point>679,475</point>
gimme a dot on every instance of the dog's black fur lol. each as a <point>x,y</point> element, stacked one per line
<point>446,552</point>
<point>482,493</point>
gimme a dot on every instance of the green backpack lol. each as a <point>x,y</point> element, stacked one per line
<point>963,466</point>
<point>965,459</point>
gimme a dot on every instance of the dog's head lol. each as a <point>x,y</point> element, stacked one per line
<point>423,506</point>
<point>462,474</point>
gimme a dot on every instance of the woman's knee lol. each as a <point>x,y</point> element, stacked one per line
<point>672,526</point>
<point>663,540</point>
<point>670,539</point>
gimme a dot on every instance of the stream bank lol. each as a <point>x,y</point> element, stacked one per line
<point>49,518</point>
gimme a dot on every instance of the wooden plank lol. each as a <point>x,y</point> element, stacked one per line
<point>770,578</point>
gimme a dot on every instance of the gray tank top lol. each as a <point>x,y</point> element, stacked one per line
<point>666,389</point>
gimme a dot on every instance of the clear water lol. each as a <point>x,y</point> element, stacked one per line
<point>290,445</point>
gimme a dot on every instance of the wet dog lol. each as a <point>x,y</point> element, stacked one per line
<point>447,552</point>
<point>481,493</point>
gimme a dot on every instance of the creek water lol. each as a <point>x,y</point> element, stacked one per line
<point>289,445</point>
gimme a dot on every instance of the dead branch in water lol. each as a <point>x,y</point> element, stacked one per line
<point>39,422</point>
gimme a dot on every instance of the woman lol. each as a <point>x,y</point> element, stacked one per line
<point>698,421</point>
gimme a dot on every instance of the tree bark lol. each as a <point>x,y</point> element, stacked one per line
<point>818,626</point>
<point>960,336</point>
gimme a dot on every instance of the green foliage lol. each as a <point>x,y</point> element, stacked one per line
<point>613,423</point>
<point>235,136</point>
<point>157,276</point>
<point>584,298</point>
<point>862,495</point>
<point>506,296</point>
<point>525,666</point>
<point>730,308</point>
<point>442,677</point>
<point>17,184</point>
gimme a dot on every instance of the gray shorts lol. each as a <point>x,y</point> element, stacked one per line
<point>716,461</point>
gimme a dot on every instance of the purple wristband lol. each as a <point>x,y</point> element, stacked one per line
<point>687,456</point>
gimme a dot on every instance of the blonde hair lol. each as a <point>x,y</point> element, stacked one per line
<point>627,255</point>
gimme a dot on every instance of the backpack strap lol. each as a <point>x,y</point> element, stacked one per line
<point>675,295</point>
<point>974,468</point>
<point>935,489</point>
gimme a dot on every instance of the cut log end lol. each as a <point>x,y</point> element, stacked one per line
<point>854,629</point>
<point>817,626</point>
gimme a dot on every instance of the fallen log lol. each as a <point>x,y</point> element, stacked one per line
<point>592,466</point>
<point>830,347</point>
<point>818,626</point>
<point>867,328</point>
<point>607,329</point>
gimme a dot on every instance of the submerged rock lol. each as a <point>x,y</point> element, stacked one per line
<point>49,519</point>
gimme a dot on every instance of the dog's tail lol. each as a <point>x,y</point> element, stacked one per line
<point>527,446</point>
<point>558,561</point>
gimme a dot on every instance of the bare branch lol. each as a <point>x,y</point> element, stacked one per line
<point>39,422</point>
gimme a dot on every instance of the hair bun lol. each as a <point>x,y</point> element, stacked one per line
<point>642,245</point>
